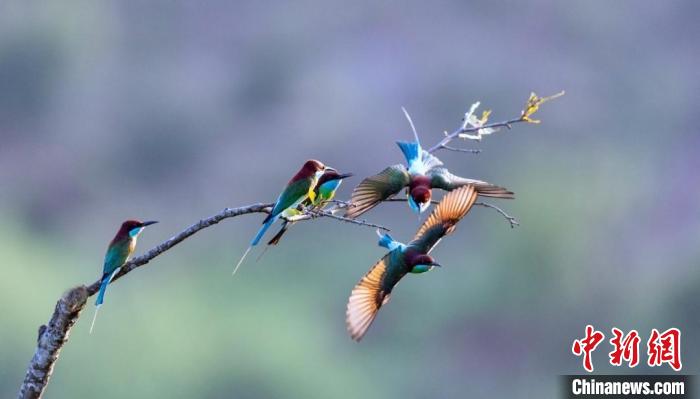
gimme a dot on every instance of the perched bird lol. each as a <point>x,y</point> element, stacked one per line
<point>425,172</point>
<point>325,190</point>
<point>374,289</point>
<point>299,188</point>
<point>118,253</point>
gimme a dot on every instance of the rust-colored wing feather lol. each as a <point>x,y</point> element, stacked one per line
<point>375,189</point>
<point>366,299</point>
<point>444,218</point>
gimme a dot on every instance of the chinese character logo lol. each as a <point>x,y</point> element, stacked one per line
<point>662,348</point>
<point>665,348</point>
<point>626,348</point>
<point>587,345</point>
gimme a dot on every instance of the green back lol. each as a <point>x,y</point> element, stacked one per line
<point>117,254</point>
<point>292,195</point>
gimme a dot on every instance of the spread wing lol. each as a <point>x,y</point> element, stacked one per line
<point>444,218</point>
<point>368,296</point>
<point>442,178</point>
<point>375,189</point>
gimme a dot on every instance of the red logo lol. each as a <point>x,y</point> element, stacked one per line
<point>661,348</point>
<point>587,345</point>
<point>626,348</point>
<point>665,348</point>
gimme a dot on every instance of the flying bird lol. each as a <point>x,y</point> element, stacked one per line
<point>325,190</point>
<point>374,289</point>
<point>299,188</point>
<point>425,172</point>
<point>118,253</point>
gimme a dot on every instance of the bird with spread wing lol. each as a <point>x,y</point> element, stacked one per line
<point>374,289</point>
<point>425,172</point>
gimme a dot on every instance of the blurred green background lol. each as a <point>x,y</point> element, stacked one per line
<point>174,110</point>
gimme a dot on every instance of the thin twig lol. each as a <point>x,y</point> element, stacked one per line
<point>510,219</point>
<point>465,128</point>
<point>467,150</point>
<point>326,213</point>
<point>513,221</point>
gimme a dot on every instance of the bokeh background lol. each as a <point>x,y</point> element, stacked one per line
<point>174,110</point>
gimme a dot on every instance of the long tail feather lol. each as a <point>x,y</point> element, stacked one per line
<point>235,269</point>
<point>410,121</point>
<point>262,253</point>
<point>97,309</point>
<point>263,229</point>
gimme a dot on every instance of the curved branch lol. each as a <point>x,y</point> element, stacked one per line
<point>510,219</point>
<point>54,335</point>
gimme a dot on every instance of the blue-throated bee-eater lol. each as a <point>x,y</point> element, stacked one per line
<point>299,188</point>
<point>118,253</point>
<point>374,289</point>
<point>425,172</point>
<point>325,190</point>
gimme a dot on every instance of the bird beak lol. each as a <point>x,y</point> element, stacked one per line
<point>344,176</point>
<point>435,265</point>
<point>327,168</point>
<point>150,222</point>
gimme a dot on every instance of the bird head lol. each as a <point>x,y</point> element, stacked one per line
<point>134,227</point>
<point>419,198</point>
<point>331,174</point>
<point>422,263</point>
<point>314,167</point>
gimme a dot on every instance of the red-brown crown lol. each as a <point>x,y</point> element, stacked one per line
<point>420,189</point>
<point>314,165</point>
<point>309,169</point>
<point>416,258</point>
<point>421,194</point>
<point>129,225</point>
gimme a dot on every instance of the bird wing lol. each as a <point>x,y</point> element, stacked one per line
<point>442,178</point>
<point>116,255</point>
<point>444,218</point>
<point>374,189</point>
<point>291,196</point>
<point>373,291</point>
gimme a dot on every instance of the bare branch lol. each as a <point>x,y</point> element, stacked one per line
<point>329,214</point>
<point>465,128</point>
<point>53,336</point>
<point>467,150</point>
<point>510,219</point>
<point>471,124</point>
<point>513,221</point>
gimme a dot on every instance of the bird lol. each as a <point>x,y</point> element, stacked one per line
<point>118,252</point>
<point>298,189</point>
<point>375,288</point>
<point>325,190</point>
<point>425,172</point>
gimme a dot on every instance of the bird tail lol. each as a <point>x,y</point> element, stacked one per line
<point>235,269</point>
<point>411,150</point>
<point>92,325</point>
<point>386,241</point>
<point>266,225</point>
<point>491,190</point>
<point>106,278</point>
<point>276,239</point>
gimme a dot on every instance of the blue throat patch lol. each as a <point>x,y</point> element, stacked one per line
<point>135,231</point>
